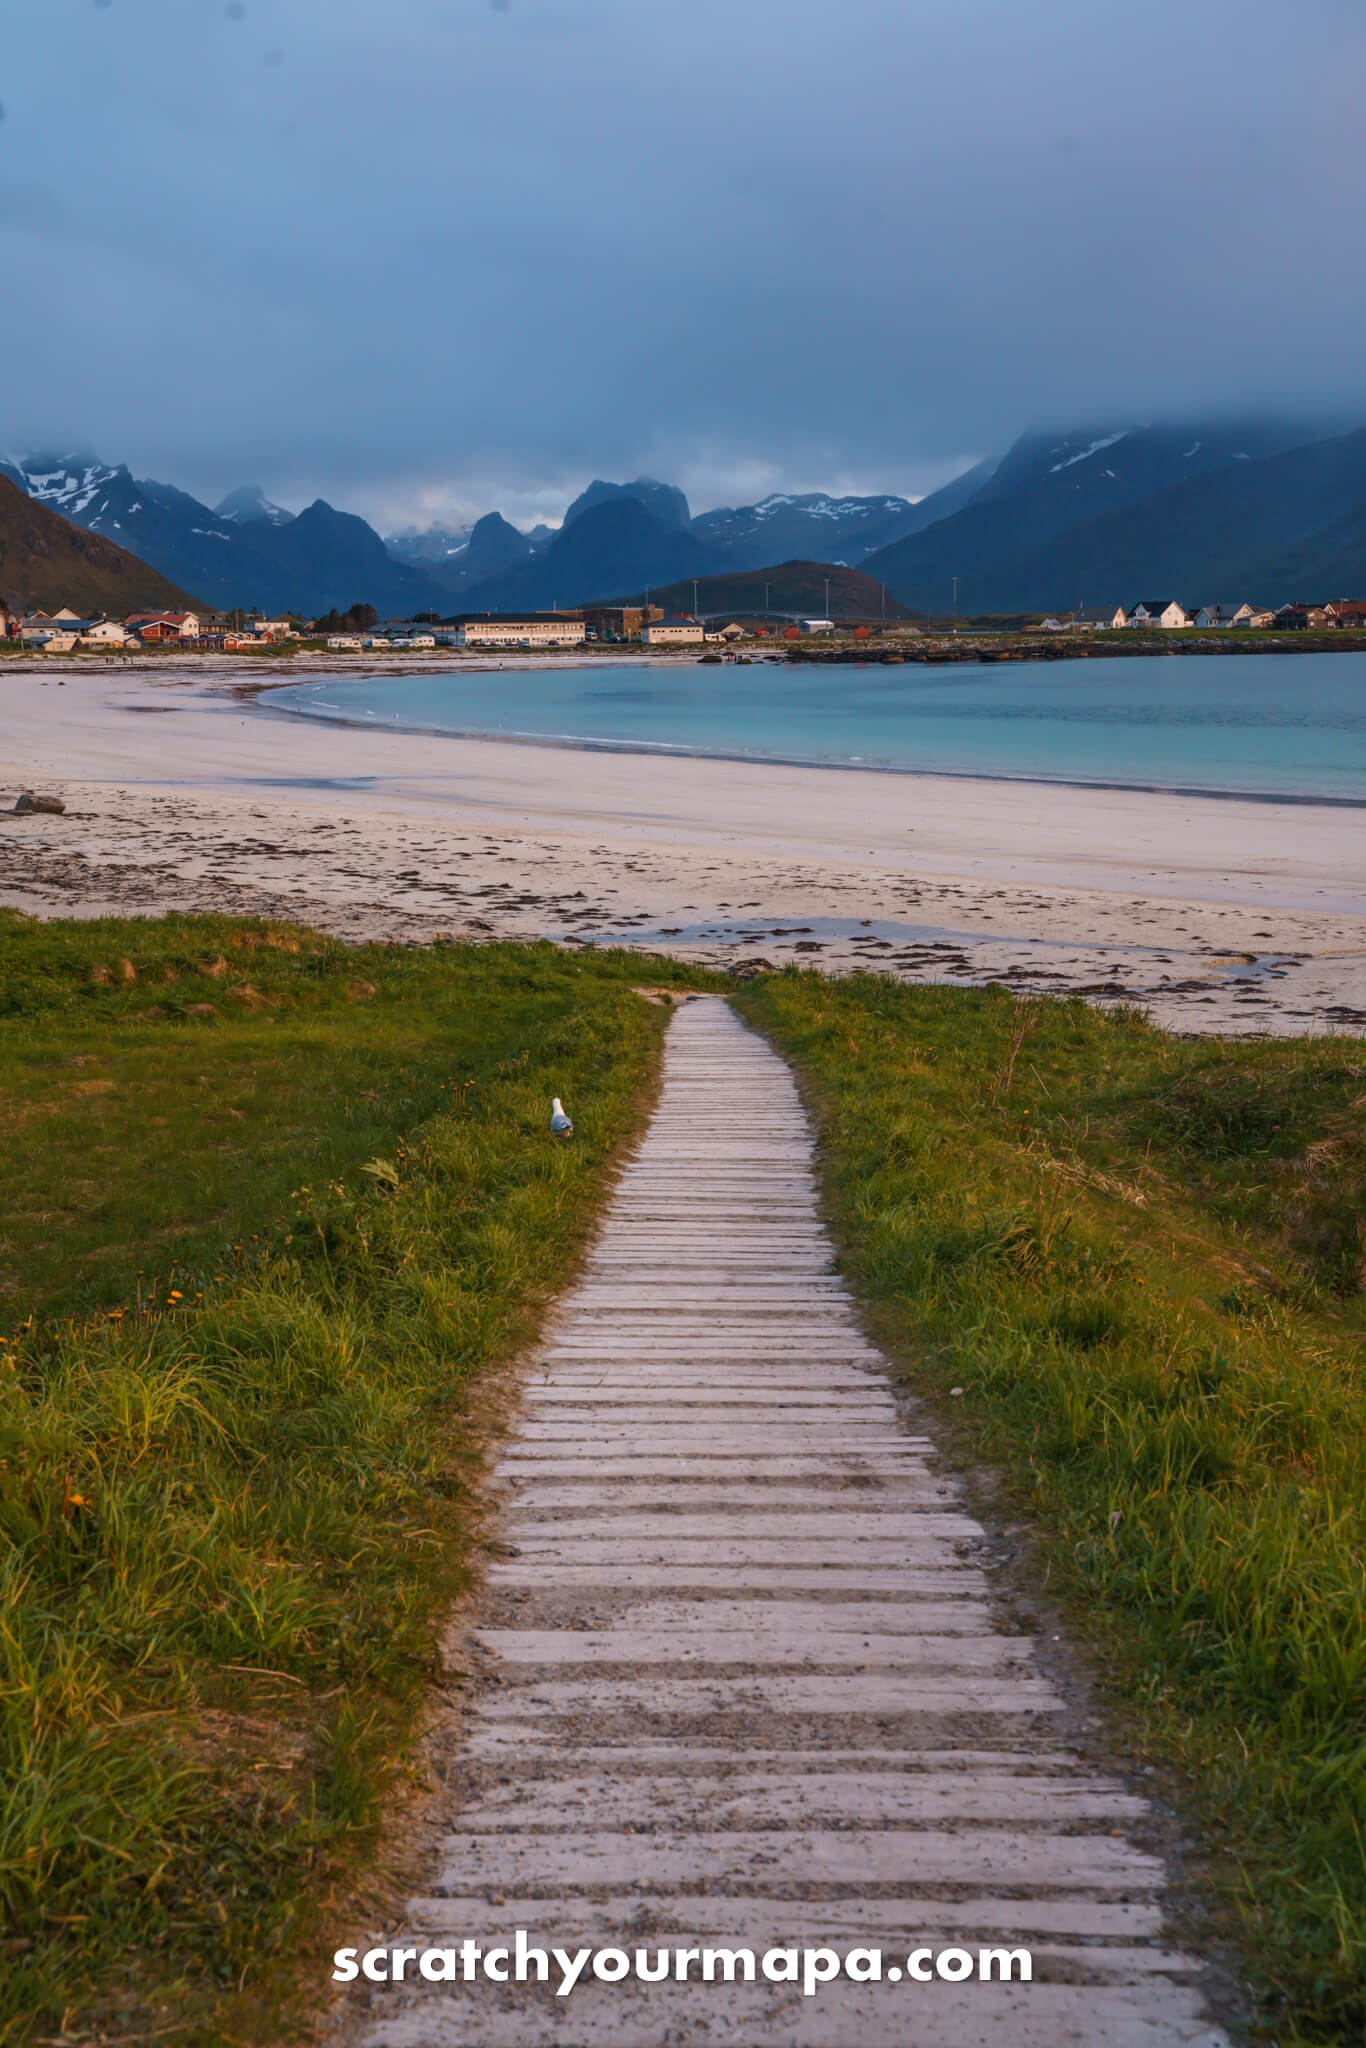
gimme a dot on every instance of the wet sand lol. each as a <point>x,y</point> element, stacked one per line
<point>184,793</point>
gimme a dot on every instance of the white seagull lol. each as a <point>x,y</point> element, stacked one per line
<point>559,1122</point>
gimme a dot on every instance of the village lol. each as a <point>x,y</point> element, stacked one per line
<point>65,631</point>
<point>1165,614</point>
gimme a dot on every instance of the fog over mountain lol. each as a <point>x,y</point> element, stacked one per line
<point>854,246</point>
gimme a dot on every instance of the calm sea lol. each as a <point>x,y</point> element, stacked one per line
<point>1291,726</point>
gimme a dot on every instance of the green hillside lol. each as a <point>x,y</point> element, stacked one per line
<point>45,562</point>
<point>798,587</point>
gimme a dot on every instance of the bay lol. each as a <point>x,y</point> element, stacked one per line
<point>1275,726</point>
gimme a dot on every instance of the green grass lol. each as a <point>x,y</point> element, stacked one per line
<point>272,1210</point>
<point>1142,1262</point>
<point>165,1085</point>
<point>230,1527</point>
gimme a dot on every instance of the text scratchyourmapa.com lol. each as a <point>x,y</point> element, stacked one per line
<point>522,1962</point>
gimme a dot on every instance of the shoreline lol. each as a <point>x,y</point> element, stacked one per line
<point>1234,915</point>
<point>678,750</point>
<point>914,645</point>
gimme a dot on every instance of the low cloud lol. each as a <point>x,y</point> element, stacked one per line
<point>457,255</point>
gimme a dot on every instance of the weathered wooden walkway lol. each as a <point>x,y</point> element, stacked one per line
<point>747,1685</point>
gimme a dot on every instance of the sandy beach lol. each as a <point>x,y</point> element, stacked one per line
<point>186,791</point>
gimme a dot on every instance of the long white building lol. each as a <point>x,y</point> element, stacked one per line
<point>534,629</point>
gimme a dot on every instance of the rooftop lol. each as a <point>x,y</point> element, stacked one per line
<point>514,619</point>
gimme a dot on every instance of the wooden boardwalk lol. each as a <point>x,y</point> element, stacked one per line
<point>745,1681</point>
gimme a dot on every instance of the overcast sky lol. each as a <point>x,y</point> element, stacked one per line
<point>429,256</point>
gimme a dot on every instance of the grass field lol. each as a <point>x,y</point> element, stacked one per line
<point>1129,1271</point>
<point>272,1208</point>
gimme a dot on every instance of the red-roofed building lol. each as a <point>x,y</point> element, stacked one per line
<point>153,628</point>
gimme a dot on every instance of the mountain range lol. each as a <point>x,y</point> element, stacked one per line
<point>251,553</point>
<point>246,553</point>
<point>1204,511</point>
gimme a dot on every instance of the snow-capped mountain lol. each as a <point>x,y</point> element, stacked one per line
<point>812,527</point>
<point>166,527</point>
<point>444,548</point>
<point>249,505</point>
<point>1040,530</point>
<point>435,544</point>
<point>48,560</point>
<point>106,498</point>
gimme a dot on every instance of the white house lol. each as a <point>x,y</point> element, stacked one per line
<point>1104,620</point>
<point>1222,615</point>
<point>1159,611</point>
<point>817,625</point>
<point>675,630</point>
<point>539,629</point>
<point>105,633</point>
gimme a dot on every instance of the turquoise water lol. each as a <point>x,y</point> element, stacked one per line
<point>1288,726</point>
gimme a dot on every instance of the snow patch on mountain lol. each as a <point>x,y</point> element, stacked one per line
<point>70,486</point>
<point>1106,441</point>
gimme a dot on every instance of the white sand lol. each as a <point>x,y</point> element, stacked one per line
<point>182,794</point>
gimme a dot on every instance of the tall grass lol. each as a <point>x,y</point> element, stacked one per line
<point>1141,1261</point>
<point>229,1527</point>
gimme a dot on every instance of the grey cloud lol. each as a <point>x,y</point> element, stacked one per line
<point>446,252</point>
